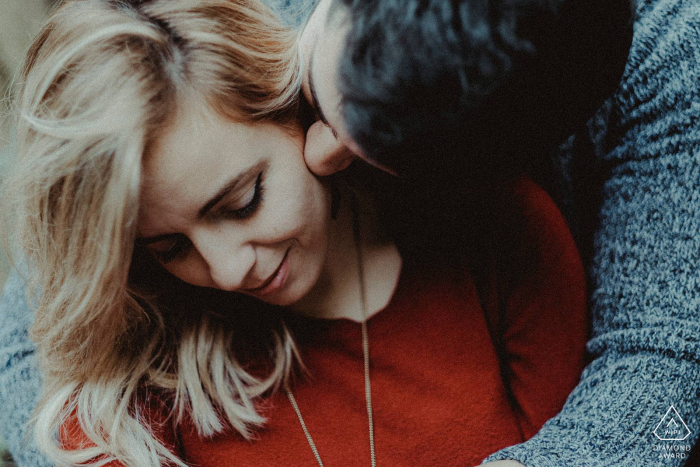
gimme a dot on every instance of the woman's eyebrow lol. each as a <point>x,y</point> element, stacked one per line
<point>229,187</point>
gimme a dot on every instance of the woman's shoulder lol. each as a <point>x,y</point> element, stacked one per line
<point>528,218</point>
<point>531,246</point>
<point>539,214</point>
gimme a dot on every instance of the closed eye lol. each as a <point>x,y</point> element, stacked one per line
<point>251,202</point>
<point>176,246</point>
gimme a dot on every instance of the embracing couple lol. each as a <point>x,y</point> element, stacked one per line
<point>254,244</point>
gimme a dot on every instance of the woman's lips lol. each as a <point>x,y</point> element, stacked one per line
<point>276,281</point>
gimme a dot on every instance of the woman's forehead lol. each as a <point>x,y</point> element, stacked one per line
<point>194,157</point>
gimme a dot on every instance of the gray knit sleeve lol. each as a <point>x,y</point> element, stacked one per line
<point>645,269</point>
<point>20,380</point>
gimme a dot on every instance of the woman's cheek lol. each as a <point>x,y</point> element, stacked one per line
<point>301,206</point>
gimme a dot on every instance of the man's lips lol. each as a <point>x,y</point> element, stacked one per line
<point>275,281</point>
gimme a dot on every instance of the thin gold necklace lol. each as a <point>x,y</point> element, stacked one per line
<point>365,351</point>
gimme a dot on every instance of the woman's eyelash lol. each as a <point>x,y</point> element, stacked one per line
<point>182,243</point>
<point>249,209</point>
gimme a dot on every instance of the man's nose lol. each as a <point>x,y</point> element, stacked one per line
<point>228,259</point>
<point>323,153</point>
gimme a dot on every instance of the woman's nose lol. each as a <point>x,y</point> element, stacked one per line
<point>228,260</point>
<point>323,153</point>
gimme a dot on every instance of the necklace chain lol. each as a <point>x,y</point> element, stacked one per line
<point>365,351</point>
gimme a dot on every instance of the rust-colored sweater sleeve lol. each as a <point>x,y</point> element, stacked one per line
<point>544,324</point>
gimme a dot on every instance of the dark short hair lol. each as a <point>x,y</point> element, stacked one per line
<point>483,84</point>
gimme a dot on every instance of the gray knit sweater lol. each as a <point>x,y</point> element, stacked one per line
<point>633,176</point>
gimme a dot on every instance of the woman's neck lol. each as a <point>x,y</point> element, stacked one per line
<point>337,294</point>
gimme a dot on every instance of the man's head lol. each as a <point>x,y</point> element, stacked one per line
<point>416,84</point>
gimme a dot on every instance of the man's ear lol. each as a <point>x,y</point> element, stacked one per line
<point>323,153</point>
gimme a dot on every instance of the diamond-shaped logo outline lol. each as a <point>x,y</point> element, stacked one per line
<point>676,414</point>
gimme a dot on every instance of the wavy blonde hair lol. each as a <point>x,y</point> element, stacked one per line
<point>100,83</point>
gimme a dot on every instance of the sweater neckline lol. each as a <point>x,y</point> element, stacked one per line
<point>309,329</point>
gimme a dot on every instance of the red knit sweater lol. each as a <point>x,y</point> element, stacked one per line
<point>454,378</point>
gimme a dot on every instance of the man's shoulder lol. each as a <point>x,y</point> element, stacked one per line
<point>665,54</point>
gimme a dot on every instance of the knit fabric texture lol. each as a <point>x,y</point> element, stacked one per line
<point>635,186</point>
<point>20,379</point>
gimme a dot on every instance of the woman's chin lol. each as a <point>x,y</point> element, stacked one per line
<point>297,282</point>
<point>303,291</point>
<point>288,295</point>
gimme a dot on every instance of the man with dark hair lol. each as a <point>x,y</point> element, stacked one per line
<point>598,101</point>
<point>500,76</point>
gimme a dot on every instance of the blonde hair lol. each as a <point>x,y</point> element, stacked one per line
<point>99,85</point>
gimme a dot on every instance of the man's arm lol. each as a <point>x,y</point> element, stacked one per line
<point>20,381</point>
<point>646,265</point>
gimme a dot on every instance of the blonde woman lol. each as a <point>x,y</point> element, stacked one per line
<point>203,299</point>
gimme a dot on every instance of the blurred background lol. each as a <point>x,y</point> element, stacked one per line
<point>20,20</point>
